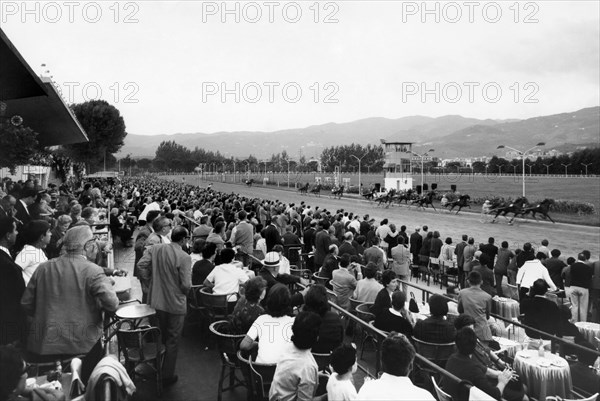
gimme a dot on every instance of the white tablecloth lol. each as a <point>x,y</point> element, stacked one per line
<point>511,347</point>
<point>589,330</point>
<point>542,381</point>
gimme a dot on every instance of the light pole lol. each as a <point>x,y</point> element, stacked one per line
<point>530,165</point>
<point>586,166</point>
<point>247,168</point>
<point>565,166</point>
<point>288,163</point>
<point>523,154</point>
<point>233,161</point>
<point>548,168</point>
<point>265,168</point>
<point>359,177</point>
<point>500,170</point>
<point>422,158</point>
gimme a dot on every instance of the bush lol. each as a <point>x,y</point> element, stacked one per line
<point>573,207</point>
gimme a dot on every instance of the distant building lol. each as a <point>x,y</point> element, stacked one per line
<point>397,169</point>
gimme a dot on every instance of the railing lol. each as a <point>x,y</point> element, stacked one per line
<point>554,340</point>
<point>463,386</point>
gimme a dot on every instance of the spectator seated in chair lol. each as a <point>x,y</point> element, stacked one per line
<point>397,355</point>
<point>395,318</point>
<point>248,307</point>
<point>13,376</point>
<point>466,367</point>
<point>296,375</point>
<point>273,329</point>
<point>340,386</point>
<point>436,328</point>
<point>368,288</point>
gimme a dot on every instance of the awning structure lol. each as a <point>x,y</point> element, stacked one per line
<point>17,79</point>
<point>49,116</point>
<point>35,99</point>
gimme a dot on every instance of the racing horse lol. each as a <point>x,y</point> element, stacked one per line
<point>405,196</point>
<point>316,190</point>
<point>337,192</point>
<point>250,182</point>
<point>462,201</point>
<point>304,189</point>
<point>543,207</point>
<point>370,195</point>
<point>425,200</point>
<point>387,198</point>
<point>516,208</point>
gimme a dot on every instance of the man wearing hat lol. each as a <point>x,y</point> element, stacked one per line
<point>435,329</point>
<point>270,272</point>
<point>65,298</point>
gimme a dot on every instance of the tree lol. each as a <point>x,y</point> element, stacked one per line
<point>105,130</point>
<point>18,145</point>
<point>478,167</point>
<point>144,163</point>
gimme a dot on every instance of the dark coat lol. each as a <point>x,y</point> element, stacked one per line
<point>22,213</point>
<point>272,237</point>
<point>12,287</point>
<point>542,314</point>
<point>322,242</point>
<point>416,241</point>
<point>309,239</point>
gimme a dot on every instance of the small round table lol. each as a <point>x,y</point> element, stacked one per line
<point>589,330</point>
<point>511,347</point>
<point>505,307</point>
<point>135,312</point>
<point>544,376</point>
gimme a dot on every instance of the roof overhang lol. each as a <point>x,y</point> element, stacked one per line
<point>17,79</point>
<point>49,116</point>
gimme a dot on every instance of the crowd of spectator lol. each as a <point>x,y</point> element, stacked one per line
<point>54,272</point>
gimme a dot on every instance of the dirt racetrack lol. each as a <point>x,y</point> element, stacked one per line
<point>569,238</point>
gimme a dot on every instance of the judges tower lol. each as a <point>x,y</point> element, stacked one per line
<point>397,170</point>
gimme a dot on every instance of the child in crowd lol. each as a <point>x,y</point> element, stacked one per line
<point>343,362</point>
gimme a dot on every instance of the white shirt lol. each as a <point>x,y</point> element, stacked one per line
<point>6,251</point>
<point>261,245</point>
<point>274,336</point>
<point>151,206</point>
<point>284,265</point>
<point>393,388</point>
<point>227,279</point>
<point>533,270</point>
<point>29,259</point>
<point>340,390</point>
<point>355,224</point>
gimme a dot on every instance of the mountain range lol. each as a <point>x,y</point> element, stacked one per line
<point>450,136</point>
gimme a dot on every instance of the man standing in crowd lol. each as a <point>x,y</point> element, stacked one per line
<point>460,259</point>
<point>581,281</point>
<point>242,236</point>
<point>27,198</point>
<point>501,266</point>
<point>69,291</point>
<point>416,241</point>
<point>555,266</point>
<point>491,251</point>
<point>168,269</point>
<point>12,285</point>
<point>478,304</point>
<point>322,242</point>
<point>271,234</point>
<point>469,255</point>
<point>376,255</point>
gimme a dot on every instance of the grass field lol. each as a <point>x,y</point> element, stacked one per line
<point>582,189</point>
<point>576,188</point>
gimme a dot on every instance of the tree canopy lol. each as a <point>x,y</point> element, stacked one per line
<point>105,129</point>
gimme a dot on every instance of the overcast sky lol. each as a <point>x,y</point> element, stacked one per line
<point>165,65</point>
